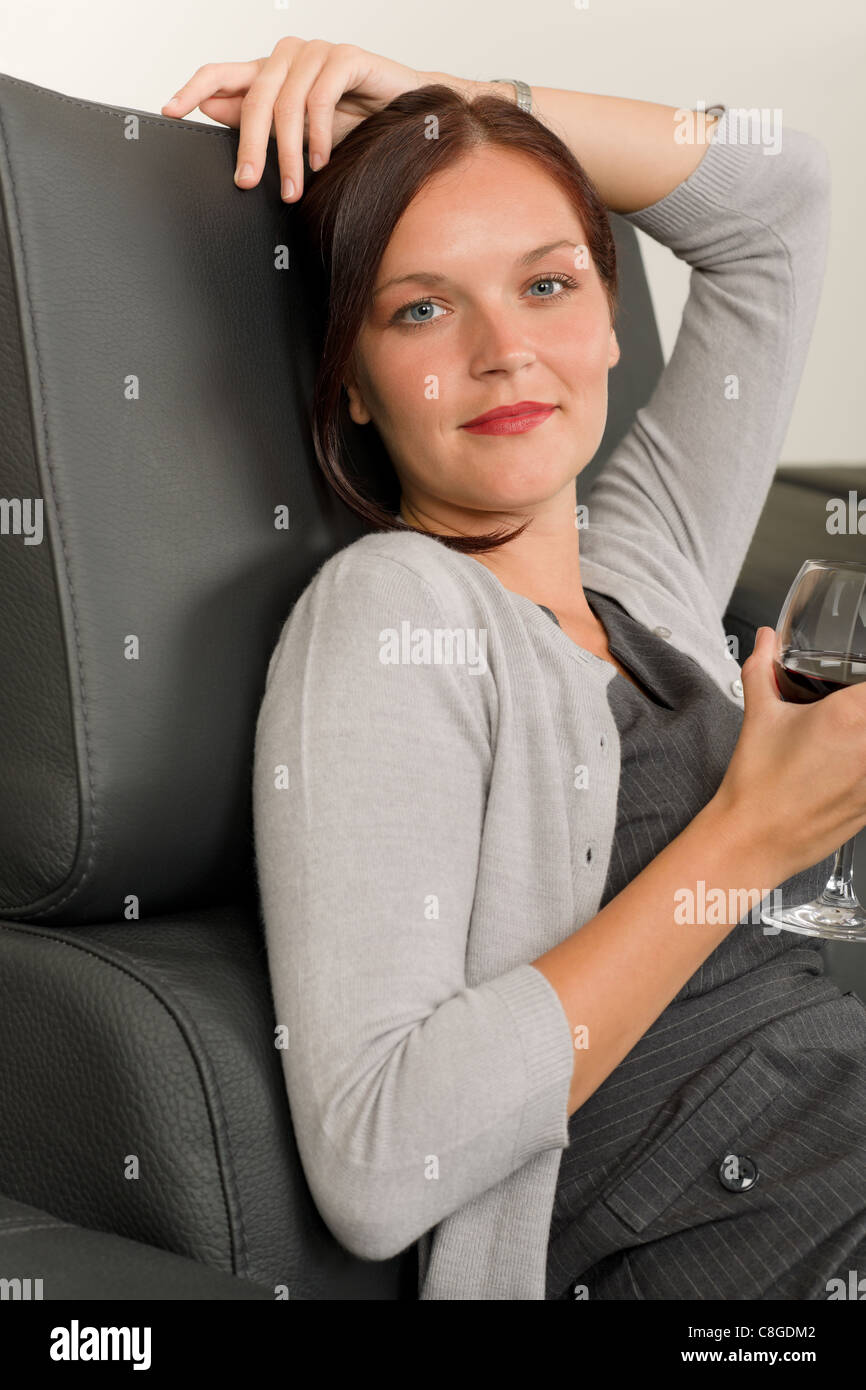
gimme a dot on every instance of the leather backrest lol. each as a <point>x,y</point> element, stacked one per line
<point>157,375</point>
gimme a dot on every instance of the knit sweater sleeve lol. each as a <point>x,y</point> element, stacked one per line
<point>694,470</point>
<point>410,1092</point>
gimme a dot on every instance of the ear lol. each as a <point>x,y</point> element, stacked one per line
<point>357,409</point>
<point>613,356</point>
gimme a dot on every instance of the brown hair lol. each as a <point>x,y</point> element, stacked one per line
<point>350,209</point>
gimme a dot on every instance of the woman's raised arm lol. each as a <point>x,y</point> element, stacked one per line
<point>692,474</point>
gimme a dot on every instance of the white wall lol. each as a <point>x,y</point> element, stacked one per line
<point>807,59</point>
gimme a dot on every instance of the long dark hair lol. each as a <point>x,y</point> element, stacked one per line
<point>350,209</point>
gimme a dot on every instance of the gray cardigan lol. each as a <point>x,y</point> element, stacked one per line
<point>420,832</point>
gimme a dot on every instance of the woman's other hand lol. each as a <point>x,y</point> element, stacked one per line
<point>307,91</point>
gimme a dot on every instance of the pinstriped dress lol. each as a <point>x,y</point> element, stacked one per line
<point>725,1157</point>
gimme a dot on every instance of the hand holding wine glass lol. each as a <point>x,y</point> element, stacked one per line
<point>799,769</point>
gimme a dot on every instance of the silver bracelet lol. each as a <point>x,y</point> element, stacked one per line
<point>524,95</point>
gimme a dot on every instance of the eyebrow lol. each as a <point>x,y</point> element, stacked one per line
<point>431,277</point>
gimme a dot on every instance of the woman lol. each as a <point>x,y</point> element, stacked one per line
<point>498,746</point>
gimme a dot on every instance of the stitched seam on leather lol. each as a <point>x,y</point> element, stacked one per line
<point>20,1227</point>
<point>42,446</point>
<point>225,1168</point>
<point>121,112</point>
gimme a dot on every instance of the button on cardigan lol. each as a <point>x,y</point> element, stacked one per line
<point>436,768</point>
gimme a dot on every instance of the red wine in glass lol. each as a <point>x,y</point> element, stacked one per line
<point>821,649</point>
<point>804,677</point>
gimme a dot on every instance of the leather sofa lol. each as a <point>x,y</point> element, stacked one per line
<point>157,368</point>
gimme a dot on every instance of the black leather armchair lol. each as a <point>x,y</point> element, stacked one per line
<point>157,361</point>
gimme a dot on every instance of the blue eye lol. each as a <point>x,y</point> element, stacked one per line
<point>553,280</point>
<point>556,277</point>
<point>420,304</point>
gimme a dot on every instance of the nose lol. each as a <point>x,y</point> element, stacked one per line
<point>500,345</point>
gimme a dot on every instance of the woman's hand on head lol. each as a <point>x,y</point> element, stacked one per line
<point>307,91</point>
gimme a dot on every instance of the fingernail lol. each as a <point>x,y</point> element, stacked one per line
<point>245,171</point>
<point>172,101</point>
<point>315,161</point>
<point>288,188</point>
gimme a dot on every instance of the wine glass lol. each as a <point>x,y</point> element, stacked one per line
<point>821,647</point>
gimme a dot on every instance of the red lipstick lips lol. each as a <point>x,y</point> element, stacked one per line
<point>511,419</point>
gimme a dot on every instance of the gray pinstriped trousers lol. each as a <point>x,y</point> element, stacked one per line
<point>659,1222</point>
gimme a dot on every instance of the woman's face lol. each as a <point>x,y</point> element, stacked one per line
<point>489,327</point>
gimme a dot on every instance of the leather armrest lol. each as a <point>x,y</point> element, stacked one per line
<point>42,1257</point>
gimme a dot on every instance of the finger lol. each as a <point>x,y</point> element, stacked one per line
<point>758,675</point>
<point>223,79</point>
<point>339,75</point>
<point>290,113</point>
<point>257,113</point>
<point>225,110</point>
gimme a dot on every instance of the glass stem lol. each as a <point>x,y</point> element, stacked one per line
<point>839,889</point>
